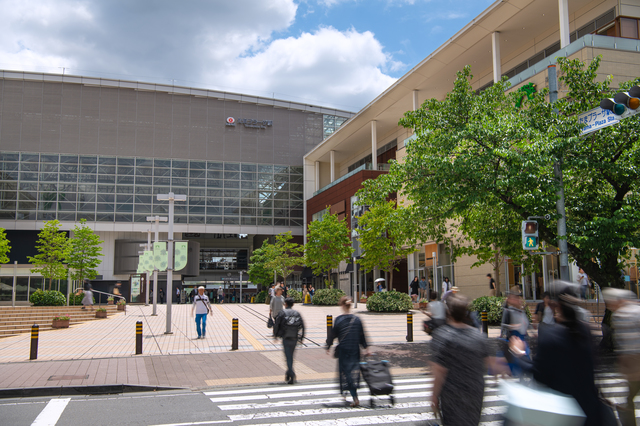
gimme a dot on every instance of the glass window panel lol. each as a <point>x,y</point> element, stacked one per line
<point>8,215</point>
<point>179,182</point>
<point>281,187</point>
<point>247,167</point>
<point>180,219</point>
<point>232,166</point>
<point>280,178</point>
<point>281,204</point>
<point>30,158</point>
<point>265,221</point>
<point>29,167</point>
<point>7,166</point>
<point>9,176</point>
<point>248,203</point>
<point>196,209</point>
<point>214,174</point>
<point>126,179</point>
<point>161,163</point>
<point>28,195</point>
<point>297,187</point>
<point>248,211</point>
<point>281,212</point>
<point>8,156</point>
<point>296,170</point>
<point>199,183</point>
<point>106,179</point>
<point>161,181</point>
<point>105,207</point>
<point>180,208</point>
<point>179,173</point>
<point>265,195</point>
<point>124,217</point>
<point>87,198</point>
<point>161,172</point>
<point>161,190</point>
<point>296,178</point>
<point>264,177</point>
<point>629,28</point>
<point>87,178</point>
<point>66,168</point>
<point>46,215</point>
<point>280,169</point>
<point>49,177</point>
<point>231,220</point>
<point>107,161</point>
<point>196,192</point>
<point>8,195</point>
<point>90,217</point>
<point>214,201</point>
<point>234,184</point>
<point>64,196</point>
<point>123,161</point>
<point>144,190</point>
<point>66,206</point>
<point>26,215</point>
<point>197,174</point>
<point>125,170</point>
<point>144,180</point>
<point>265,212</point>
<point>296,195</point>
<point>104,217</point>
<point>29,186</point>
<point>144,162</point>
<point>281,195</point>
<point>200,165</point>
<point>231,175</point>
<point>49,158</point>
<point>214,220</point>
<point>281,222</point>
<point>139,217</point>
<point>88,159</point>
<point>67,187</point>
<point>124,208</point>
<point>144,171</point>
<point>228,202</point>
<point>7,204</point>
<point>180,164</point>
<point>124,189</point>
<point>86,207</point>
<point>29,176</point>
<point>248,185</point>
<point>248,220</point>
<point>68,159</point>
<point>124,199</point>
<point>296,213</point>
<point>107,189</point>
<point>83,187</point>
<point>216,193</point>
<point>214,210</point>
<point>214,183</point>
<point>295,222</point>
<point>143,208</point>
<point>160,209</point>
<point>247,176</point>
<point>71,216</point>
<point>48,168</point>
<point>107,170</point>
<point>214,165</point>
<point>106,198</point>
<point>196,219</point>
<point>265,168</point>
<point>143,199</point>
<point>196,201</point>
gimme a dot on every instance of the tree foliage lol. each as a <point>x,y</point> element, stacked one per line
<point>385,237</point>
<point>85,247</point>
<point>280,257</point>
<point>328,244</point>
<point>480,165</point>
<point>52,246</point>
<point>5,248</point>
<point>258,272</point>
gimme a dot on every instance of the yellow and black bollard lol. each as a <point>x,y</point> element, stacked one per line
<point>485,323</point>
<point>234,334</point>
<point>35,330</point>
<point>409,327</point>
<point>138,337</point>
<point>329,328</point>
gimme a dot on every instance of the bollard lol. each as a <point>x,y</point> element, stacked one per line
<point>234,334</point>
<point>35,329</point>
<point>485,323</point>
<point>138,337</point>
<point>409,327</point>
<point>329,328</point>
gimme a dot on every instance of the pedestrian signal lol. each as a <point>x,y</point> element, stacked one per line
<point>530,235</point>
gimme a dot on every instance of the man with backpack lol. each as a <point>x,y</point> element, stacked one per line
<point>290,327</point>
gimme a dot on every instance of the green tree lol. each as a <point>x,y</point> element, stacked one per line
<point>4,247</point>
<point>258,272</point>
<point>385,237</point>
<point>328,244</point>
<point>52,246</point>
<point>284,255</point>
<point>477,154</point>
<point>85,247</point>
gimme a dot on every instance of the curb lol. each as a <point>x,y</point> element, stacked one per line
<point>81,390</point>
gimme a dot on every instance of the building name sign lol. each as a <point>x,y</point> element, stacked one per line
<point>248,122</point>
<point>596,119</point>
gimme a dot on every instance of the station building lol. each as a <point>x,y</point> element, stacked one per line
<point>514,38</point>
<point>74,147</point>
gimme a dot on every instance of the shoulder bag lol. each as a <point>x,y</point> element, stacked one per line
<point>205,304</point>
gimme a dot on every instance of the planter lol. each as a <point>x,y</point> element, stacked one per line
<point>60,324</point>
<point>101,314</point>
<point>109,302</point>
<point>363,301</point>
<point>416,306</point>
<point>122,307</point>
<point>422,305</point>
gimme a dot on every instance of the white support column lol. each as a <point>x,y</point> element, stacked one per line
<point>495,49</point>
<point>563,9</point>
<point>332,159</point>
<point>416,103</point>
<point>374,146</point>
<point>317,175</point>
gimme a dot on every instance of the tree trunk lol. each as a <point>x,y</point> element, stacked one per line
<point>50,280</point>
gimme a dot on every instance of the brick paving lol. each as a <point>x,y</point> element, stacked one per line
<point>102,352</point>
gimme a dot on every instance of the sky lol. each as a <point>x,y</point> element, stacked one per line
<point>334,53</point>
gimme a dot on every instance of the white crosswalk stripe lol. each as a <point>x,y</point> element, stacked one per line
<point>321,405</point>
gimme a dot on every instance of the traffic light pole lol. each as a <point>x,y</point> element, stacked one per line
<point>557,171</point>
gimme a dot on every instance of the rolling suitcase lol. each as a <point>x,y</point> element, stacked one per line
<point>378,377</point>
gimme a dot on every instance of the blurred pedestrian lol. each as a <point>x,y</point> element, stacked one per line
<point>220,295</point>
<point>446,286</point>
<point>564,360</point>
<point>583,282</point>
<point>87,300</point>
<point>436,314</point>
<point>161,294</point>
<point>514,319</point>
<point>423,289</point>
<point>276,304</point>
<point>626,334</point>
<point>200,309</point>
<point>289,326</point>
<point>544,311</point>
<point>458,358</point>
<point>177,295</point>
<point>192,294</point>
<point>492,285</point>
<point>350,333</point>
<point>415,287</point>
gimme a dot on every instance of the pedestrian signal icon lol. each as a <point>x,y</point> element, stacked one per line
<point>531,243</point>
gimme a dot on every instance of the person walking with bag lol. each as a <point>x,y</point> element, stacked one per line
<point>275,306</point>
<point>350,333</point>
<point>201,307</point>
<point>290,327</point>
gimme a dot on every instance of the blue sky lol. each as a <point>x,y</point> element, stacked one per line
<point>338,53</point>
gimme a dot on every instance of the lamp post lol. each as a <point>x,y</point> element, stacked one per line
<point>157,220</point>
<point>172,198</point>
<point>241,286</point>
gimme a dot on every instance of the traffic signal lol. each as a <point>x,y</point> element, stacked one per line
<point>624,104</point>
<point>530,235</point>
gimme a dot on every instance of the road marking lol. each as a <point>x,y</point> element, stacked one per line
<point>353,421</point>
<point>194,423</point>
<point>51,413</point>
<point>256,345</point>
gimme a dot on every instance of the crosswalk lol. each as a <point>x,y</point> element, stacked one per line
<point>321,405</point>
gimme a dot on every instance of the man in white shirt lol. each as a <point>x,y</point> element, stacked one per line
<point>583,280</point>
<point>200,309</point>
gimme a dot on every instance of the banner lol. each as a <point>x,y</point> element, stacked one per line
<point>147,261</point>
<point>160,258</point>
<point>180,255</point>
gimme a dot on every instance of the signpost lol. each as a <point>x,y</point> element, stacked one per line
<point>597,119</point>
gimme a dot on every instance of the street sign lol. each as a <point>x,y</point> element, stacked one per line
<point>597,119</point>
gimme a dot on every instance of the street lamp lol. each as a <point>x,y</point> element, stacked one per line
<point>241,285</point>
<point>157,220</point>
<point>171,197</point>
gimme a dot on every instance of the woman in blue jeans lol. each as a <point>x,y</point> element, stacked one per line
<point>201,308</point>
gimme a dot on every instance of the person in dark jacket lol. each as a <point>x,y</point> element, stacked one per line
<point>350,333</point>
<point>290,327</point>
<point>564,360</point>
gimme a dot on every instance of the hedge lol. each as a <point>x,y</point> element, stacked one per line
<point>47,298</point>
<point>76,299</point>
<point>295,294</point>
<point>389,301</point>
<point>494,306</point>
<point>260,297</point>
<point>327,296</point>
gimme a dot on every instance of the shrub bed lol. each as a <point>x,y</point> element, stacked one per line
<point>389,301</point>
<point>327,296</point>
<point>296,295</point>
<point>47,298</point>
<point>260,297</point>
<point>494,307</point>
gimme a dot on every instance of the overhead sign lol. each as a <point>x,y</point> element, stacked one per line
<point>597,119</point>
<point>248,122</point>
